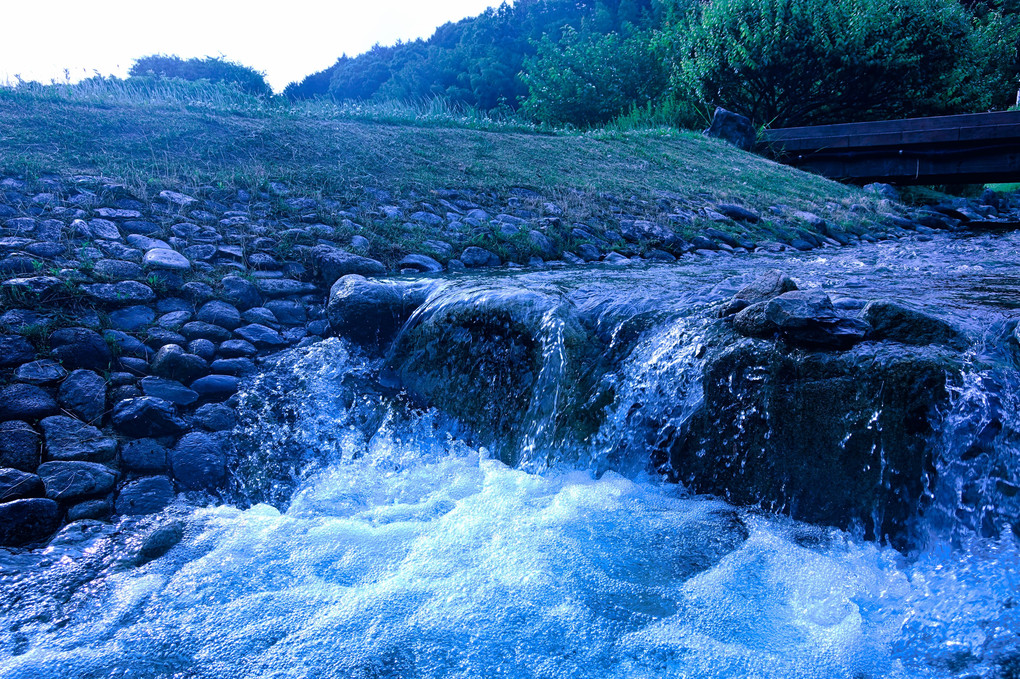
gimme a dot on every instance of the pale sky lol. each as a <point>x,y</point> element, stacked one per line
<point>286,40</point>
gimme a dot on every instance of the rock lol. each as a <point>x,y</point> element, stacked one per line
<point>146,495</point>
<point>330,264</point>
<point>420,263</point>
<point>287,312</point>
<point>168,390</point>
<point>25,402</point>
<point>160,541</point>
<point>542,243</point>
<point>771,284</point>
<point>239,367</point>
<point>801,317</point>
<point>588,252</point>
<point>838,438</point>
<point>198,462</point>
<point>125,344</point>
<point>898,323</point>
<point>370,312</point>
<point>31,288</point>
<point>144,455</point>
<point>18,485</point>
<point>201,330</point>
<point>639,230</point>
<point>19,446</point>
<point>178,199</point>
<point>241,293</point>
<point>124,293</point>
<point>739,213</point>
<point>132,318</point>
<point>220,313</point>
<point>261,315</point>
<point>28,521</point>
<point>68,439</point>
<point>44,371</point>
<point>15,350</point>
<point>90,509</point>
<point>475,257</point>
<point>734,128</point>
<point>882,191</point>
<point>72,481</point>
<point>146,416</point>
<point>215,417</point>
<point>172,362</point>
<point>283,287</point>
<point>102,228</point>
<point>83,394</point>
<point>237,349</point>
<point>80,348</point>
<point>203,348</point>
<point>261,336</point>
<point>216,387</point>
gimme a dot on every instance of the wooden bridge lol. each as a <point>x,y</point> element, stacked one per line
<point>963,149</point>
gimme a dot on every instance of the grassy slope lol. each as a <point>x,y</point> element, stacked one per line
<point>187,146</point>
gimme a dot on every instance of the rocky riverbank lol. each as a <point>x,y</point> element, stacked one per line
<point>128,321</point>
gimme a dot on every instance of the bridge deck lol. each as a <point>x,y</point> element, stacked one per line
<point>972,148</point>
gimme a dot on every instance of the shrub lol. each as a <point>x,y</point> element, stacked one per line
<point>213,69</point>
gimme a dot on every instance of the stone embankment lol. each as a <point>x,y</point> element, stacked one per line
<point>127,325</point>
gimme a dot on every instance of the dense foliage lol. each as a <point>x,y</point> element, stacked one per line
<point>213,69</point>
<point>782,62</point>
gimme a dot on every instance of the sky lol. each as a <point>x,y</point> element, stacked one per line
<point>285,39</point>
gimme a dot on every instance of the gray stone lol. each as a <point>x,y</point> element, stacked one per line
<point>739,213</point>
<point>68,439</point>
<point>369,312</point>
<point>90,509</point>
<point>117,270</point>
<point>146,416</point>
<point>28,521</point>
<point>146,495</point>
<point>765,287</point>
<point>420,263</point>
<point>542,242</point>
<point>72,481</point>
<point>236,349</point>
<point>80,348</point>
<point>202,330</point>
<point>807,317</point>
<point>899,323</point>
<point>732,127</point>
<point>168,390</point>
<point>132,318</point>
<point>220,313</point>
<point>241,293</point>
<point>234,366</point>
<point>198,462</point>
<point>19,446</point>
<point>283,287</point>
<point>215,417</point>
<point>178,199</point>
<point>146,243</point>
<point>144,455</point>
<point>174,320</point>
<point>261,336</point>
<point>30,288</point>
<point>83,394</point>
<point>475,257</point>
<point>216,387</point>
<point>15,350</point>
<point>124,293</point>
<point>288,312</point>
<point>18,485</point>
<point>172,362</point>
<point>103,228</point>
<point>44,371</point>
<point>25,402</point>
<point>261,315</point>
<point>202,348</point>
<point>125,344</point>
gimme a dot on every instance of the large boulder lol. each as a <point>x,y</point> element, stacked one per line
<point>732,127</point>
<point>840,438</point>
<point>892,321</point>
<point>804,318</point>
<point>370,312</point>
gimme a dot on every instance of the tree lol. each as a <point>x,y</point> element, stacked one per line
<point>213,69</point>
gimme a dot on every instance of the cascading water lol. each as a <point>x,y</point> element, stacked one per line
<point>372,536</point>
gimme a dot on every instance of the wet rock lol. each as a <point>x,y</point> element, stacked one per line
<point>287,312</point>
<point>215,417</point>
<point>331,264</point>
<point>80,348</point>
<point>15,350</point>
<point>160,541</point>
<point>27,521</point>
<point>216,387</point>
<point>475,257</point>
<point>83,394</point>
<point>369,312</point>
<point>801,317</point>
<point>261,336</point>
<point>124,293</point>
<point>420,263</point>
<point>68,439</point>
<point>198,462</point>
<point>146,495</point>
<point>90,509</point>
<point>767,286</point>
<point>896,322</point>
<point>146,416</point>
<point>19,485</point>
<point>25,402</point>
<point>172,362</point>
<point>834,438</point>
<point>168,390</point>
<point>144,455</point>
<point>68,482</point>
<point>40,372</point>
<point>220,313</point>
<point>732,127</point>
<point>19,446</point>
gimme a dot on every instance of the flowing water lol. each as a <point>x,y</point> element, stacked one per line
<point>405,548</point>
